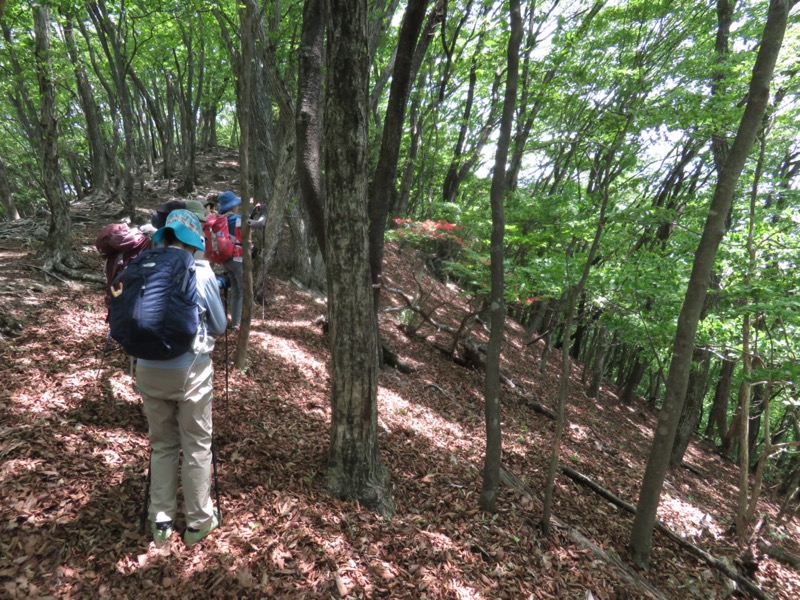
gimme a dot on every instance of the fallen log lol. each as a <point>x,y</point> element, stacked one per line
<point>779,554</point>
<point>538,407</point>
<point>711,561</point>
<point>625,571</point>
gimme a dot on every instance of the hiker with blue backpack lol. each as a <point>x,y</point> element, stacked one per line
<point>165,311</point>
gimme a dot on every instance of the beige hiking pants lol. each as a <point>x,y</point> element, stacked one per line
<point>177,403</point>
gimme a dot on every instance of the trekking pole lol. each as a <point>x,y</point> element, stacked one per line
<point>226,351</point>
<point>147,492</point>
<point>216,479</point>
<point>103,354</point>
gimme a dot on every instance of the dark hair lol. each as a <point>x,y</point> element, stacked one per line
<point>168,237</point>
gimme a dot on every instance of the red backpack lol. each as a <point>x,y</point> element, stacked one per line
<point>219,245</point>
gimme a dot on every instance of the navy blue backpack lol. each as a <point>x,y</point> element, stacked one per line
<point>154,312</point>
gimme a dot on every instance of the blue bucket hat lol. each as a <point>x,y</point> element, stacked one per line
<point>227,200</point>
<point>187,229</point>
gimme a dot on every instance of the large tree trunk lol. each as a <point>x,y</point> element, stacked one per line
<point>680,365</point>
<point>308,120</point>
<point>57,247</point>
<point>384,184</point>
<point>355,469</point>
<point>491,468</point>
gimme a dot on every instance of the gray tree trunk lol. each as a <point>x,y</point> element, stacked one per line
<point>57,247</point>
<point>97,146</point>
<point>658,461</point>
<point>355,469</point>
<point>308,121</point>
<point>384,184</point>
<point>6,198</point>
<point>491,467</point>
<point>693,405</point>
<point>598,367</point>
<point>244,105</point>
<point>719,407</point>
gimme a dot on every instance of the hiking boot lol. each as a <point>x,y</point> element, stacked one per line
<point>161,532</point>
<point>192,536</point>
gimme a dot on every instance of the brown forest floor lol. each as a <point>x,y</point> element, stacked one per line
<point>73,461</point>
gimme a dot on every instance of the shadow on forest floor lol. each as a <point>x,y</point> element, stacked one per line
<point>74,450</point>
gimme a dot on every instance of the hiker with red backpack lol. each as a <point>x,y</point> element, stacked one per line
<point>165,311</point>
<point>229,208</point>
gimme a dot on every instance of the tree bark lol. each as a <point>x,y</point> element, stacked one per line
<point>491,468</point>
<point>677,380</point>
<point>633,379</point>
<point>97,147</point>
<point>693,405</point>
<point>308,119</point>
<point>719,407</point>
<point>355,469</point>
<point>57,247</point>
<point>598,368</point>
<point>245,104</point>
<point>6,198</point>
<point>384,183</point>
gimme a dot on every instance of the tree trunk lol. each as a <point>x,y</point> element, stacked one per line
<point>384,183</point>
<point>759,401</point>
<point>57,246</point>
<point>113,47</point>
<point>719,408</point>
<point>355,469</point>
<point>97,147</point>
<point>245,104</point>
<point>599,364</point>
<point>693,405</point>
<point>656,378</point>
<point>491,467</point>
<point>6,198</point>
<point>633,380</point>
<point>188,80</point>
<point>563,388</point>
<point>308,119</point>
<point>580,329</point>
<point>306,264</point>
<point>678,378</point>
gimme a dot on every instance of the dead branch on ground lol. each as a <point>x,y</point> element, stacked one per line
<point>627,572</point>
<point>719,565</point>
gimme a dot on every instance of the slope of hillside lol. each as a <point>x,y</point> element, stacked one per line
<point>73,450</point>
